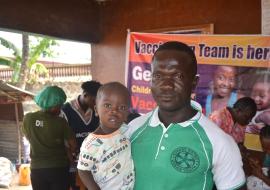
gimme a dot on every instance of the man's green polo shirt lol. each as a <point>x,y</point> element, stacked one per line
<point>185,156</point>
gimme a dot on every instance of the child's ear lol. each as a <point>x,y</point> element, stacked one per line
<point>96,113</point>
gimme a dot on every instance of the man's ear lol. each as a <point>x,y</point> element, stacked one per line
<point>96,113</point>
<point>195,81</point>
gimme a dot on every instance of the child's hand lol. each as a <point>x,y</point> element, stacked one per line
<point>263,118</point>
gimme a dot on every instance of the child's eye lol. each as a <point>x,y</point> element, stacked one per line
<point>107,105</point>
<point>221,77</point>
<point>122,108</point>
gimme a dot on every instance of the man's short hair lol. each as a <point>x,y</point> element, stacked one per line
<point>91,87</point>
<point>181,47</point>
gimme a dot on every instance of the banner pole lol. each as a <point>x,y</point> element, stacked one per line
<point>127,56</point>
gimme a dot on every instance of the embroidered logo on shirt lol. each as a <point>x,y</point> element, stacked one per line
<point>39,123</point>
<point>185,160</point>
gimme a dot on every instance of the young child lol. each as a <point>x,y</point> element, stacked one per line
<point>223,90</point>
<point>260,179</point>
<point>261,94</point>
<point>105,157</point>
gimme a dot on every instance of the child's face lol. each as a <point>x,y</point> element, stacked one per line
<point>265,145</point>
<point>224,80</point>
<point>112,108</point>
<point>261,96</point>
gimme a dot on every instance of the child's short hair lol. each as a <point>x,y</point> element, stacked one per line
<point>115,86</point>
<point>246,103</point>
<point>265,132</point>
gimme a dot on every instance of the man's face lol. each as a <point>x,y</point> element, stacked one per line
<point>224,80</point>
<point>172,79</point>
<point>89,100</point>
<point>261,95</point>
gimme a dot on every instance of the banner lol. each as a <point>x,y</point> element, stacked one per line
<point>232,66</point>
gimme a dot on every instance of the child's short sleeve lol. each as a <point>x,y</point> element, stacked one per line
<point>88,155</point>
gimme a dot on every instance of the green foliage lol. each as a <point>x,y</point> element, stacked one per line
<point>41,47</point>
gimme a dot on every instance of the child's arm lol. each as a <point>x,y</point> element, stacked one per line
<point>263,118</point>
<point>88,180</point>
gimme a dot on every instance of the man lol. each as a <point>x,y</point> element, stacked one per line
<point>82,119</point>
<point>175,146</point>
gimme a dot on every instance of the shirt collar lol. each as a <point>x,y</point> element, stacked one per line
<point>154,120</point>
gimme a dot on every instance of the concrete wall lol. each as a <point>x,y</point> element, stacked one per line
<point>228,17</point>
<point>72,19</point>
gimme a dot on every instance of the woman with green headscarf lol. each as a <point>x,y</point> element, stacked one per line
<point>47,134</point>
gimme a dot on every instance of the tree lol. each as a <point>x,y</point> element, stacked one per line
<point>24,63</point>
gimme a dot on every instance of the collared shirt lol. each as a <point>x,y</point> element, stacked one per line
<point>86,116</point>
<point>223,119</point>
<point>82,123</point>
<point>189,155</point>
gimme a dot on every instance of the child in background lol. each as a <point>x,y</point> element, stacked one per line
<point>223,90</point>
<point>233,120</point>
<point>261,94</point>
<point>260,179</point>
<point>105,157</point>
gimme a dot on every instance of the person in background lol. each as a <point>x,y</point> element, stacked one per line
<point>223,89</point>
<point>82,119</point>
<point>47,134</point>
<point>105,158</point>
<point>175,146</point>
<point>261,94</point>
<point>260,178</point>
<point>233,120</point>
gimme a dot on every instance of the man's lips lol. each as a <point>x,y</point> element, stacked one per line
<point>166,97</point>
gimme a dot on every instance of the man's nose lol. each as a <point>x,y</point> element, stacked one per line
<point>167,82</point>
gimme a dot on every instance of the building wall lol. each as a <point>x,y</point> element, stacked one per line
<point>228,17</point>
<point>72,19</point>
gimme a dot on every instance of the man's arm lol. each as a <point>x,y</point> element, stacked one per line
<point>227,165</point>
<point>88,180</point>
<point>71,149</point>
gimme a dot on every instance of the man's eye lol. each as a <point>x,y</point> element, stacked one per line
<point>178,76</point>
<point>156,76</point>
